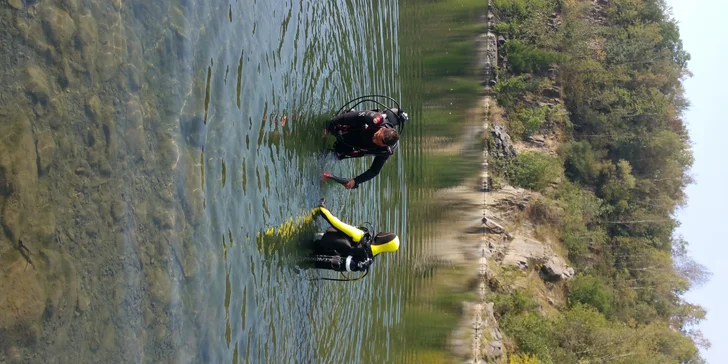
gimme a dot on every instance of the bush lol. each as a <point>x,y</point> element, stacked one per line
<point>509,89</point>
<point>580,162</point>
<point>535,170</point>
<point>525,59</point>
<point>514,303</point>
<point>545,212</point>
<point>529,119</point>
<point>589,290</point>
<point>533,334</point>
<point>523,359</point>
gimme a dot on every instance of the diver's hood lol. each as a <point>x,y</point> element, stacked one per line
<point>385,243</point>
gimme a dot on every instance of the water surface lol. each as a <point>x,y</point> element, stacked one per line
<point>149,145</point>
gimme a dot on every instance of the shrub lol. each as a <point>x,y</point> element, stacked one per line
<point>535,170</point>
<point>580,162</point>
<point>514,303</point>
<point>589,290</point>
<point>509,89</point>
<point>532,333</point>
<point>523,359</point>
<point>545,212</point>
<point>530,120</point>
<point>582,211</point>
<point>525,59</point>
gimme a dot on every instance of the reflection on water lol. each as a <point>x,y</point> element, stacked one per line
<point>147,145</point>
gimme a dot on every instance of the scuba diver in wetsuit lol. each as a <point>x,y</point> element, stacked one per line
<point>345,248</point>
<point>366,133</point>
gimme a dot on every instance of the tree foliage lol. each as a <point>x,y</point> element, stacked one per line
<point>535,170</point>
<point>625,162</point>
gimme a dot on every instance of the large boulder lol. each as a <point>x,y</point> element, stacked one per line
<point>522,251</point>
<point>508,200</point>
<point>556,269</point>
<point>502,146</point>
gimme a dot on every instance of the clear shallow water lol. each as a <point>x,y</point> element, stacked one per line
<point>149,146</point>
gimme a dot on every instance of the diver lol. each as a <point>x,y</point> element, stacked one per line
<point>366,133</point>
<point>345,248</point>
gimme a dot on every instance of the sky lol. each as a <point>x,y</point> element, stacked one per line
<point>704,31</point>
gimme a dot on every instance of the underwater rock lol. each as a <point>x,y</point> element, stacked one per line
<point>108,341</point>
<point>21,311</point>
<point>163,217</point>
<point>133,79</point>
<point>140,209</point>
<point>107,65</point>
<point>159,287</point>
<point>169,153</point>
<point>57,114</point>
<point>15,354</point>
<point>190,267</point>
<point>59,26</point>
<point>66,146</point>
<point>46,148</point>
<point>83,303</point>
<point>112,140</point>
<point>36,84</point>
<point>32,32</point>
<point>70,5</point>
<point>105,167</point>
<point>93,108</point>
<point>15,4</point>
<point>11,214</point>
<point>18,170</point>
<point>134,113</point>
<point>43,223</point>
<point>112,49</point>
<point>87,38</point>
<point>136,142</point>
<point>118,210</point>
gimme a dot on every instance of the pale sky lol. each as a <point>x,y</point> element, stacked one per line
<point>704,30</point>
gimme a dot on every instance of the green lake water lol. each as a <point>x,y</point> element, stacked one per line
<point>147,146</point>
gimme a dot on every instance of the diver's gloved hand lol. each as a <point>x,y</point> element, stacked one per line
<point>322,201</point>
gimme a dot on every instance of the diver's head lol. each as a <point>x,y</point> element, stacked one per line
<point>385,243</point>
<point>385,137</point>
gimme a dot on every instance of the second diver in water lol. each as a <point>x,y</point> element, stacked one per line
<point>345,248</point>
<point>366,133</point>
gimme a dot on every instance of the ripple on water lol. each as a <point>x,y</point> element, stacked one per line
<point>128,107</point>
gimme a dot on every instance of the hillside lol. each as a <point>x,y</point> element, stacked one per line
<point>588,123</point>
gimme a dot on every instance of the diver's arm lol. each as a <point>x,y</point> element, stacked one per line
<point>373,171</point>
<point>354,233</point>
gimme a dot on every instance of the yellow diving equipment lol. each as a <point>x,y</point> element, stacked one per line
<point>385,243</point>
<point>354,233</point>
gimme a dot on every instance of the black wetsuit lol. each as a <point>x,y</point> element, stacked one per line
<point>343,247</point>
<point>354,131</point>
